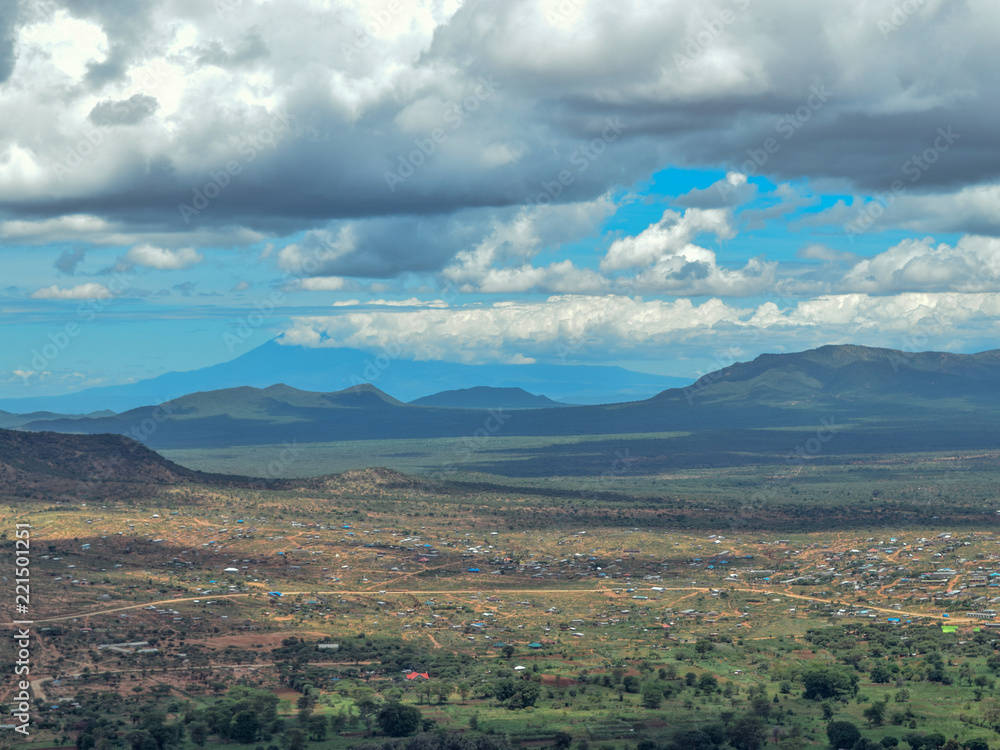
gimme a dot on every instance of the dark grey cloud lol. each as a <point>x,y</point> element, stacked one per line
<point>251,48</point>
<point>319,118</point>
<point>68,260</point>
<point>390,246</point>
<point>128,27</point>
<point>9,15</point>
<point>129,111</point>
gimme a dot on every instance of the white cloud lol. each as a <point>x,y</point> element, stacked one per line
<point>332,247</point>
<point>819,251</point>
<point>161,258</point>
<point>598,328</point>
<point>90,290</point>
<point>509,329</point>
<point>971,265</point>
<point>411,302</point>
<point>323,284</point>
<point>499,263</point>
<point>971,208</point>
<point>671,237</point>
<point>55,229</point>
<point>65,43</point>
<point>97,231</point>
<point>665,259</point>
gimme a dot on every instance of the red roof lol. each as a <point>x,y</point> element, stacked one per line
<point>415,675</point>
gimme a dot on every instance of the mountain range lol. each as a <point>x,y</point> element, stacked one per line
<point>485,397</point>
<point>8,420</point>
<point>333,369</point>
<point>883,388</point>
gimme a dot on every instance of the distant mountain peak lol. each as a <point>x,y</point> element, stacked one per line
<point>325,370</point>
<point>846,371</point>
<point>487,397</point>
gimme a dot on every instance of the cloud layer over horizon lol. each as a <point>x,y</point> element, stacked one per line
<point>654,177</point>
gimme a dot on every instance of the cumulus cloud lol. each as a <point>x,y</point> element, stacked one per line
<point>161,258</point>
<point>973,208</point>
<point>90,290</point>
<point>509,329</point>
<point>323,284</point>
<point>971,265</point>
<point>671,237</point>
<point>664,258</point>
<point>598,327</point>
<point>197,88</point>
<point>500,261</point>
<point>411,302</point>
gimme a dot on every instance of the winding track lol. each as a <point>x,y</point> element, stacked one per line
<point>514,591</point>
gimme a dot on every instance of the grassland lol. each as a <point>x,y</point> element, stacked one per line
<point>616,595</point>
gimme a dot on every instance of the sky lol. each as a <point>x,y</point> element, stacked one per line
<point>660,184</point>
